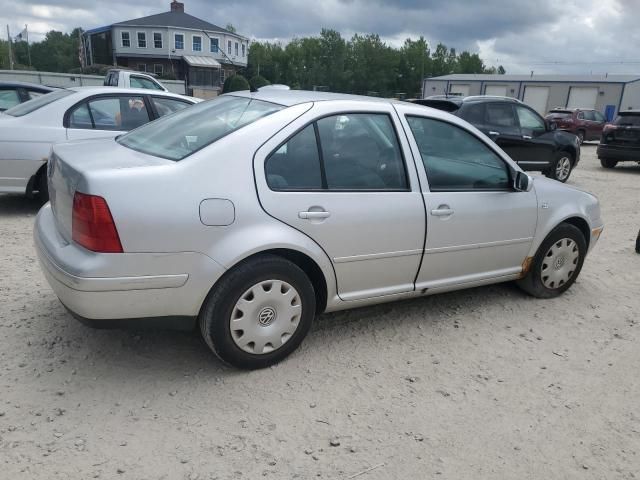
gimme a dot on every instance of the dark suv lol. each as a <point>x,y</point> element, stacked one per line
<point>532,142</point>
<point>620,140</point>
<point>585,123</point>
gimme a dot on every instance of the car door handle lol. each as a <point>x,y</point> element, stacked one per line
<point>442,211</point>
<point>494,134</point>
<point>527,137</point>
<point>313,215</point>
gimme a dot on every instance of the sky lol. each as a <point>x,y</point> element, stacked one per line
<point>544,36</point>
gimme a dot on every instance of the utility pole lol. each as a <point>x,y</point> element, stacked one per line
<point>10,53</point>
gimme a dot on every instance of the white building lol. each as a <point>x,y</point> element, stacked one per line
<point>170,44</point>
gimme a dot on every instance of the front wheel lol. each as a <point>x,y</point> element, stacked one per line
<point>258,313</point>
<point>581,136</point>
<point>561,168</point>
<point>608,163</point>
<point>557,263</point>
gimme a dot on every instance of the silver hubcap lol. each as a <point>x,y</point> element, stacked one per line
<point>563,168</point>
<point>265,317</point>
<point>560,263</point>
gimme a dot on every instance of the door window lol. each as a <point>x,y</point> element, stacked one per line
<point>599,117</point>
<point>529,120</point>
<point>455,160</point>
<point>8,99</point>
<point>33,94</point>
<point>360,151</point>
<point>501,115</point>
<point>165,106</point>
<point>590,115</point>
<point>111,113</point>
<point>296,164</point>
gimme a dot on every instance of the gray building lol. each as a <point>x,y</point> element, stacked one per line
<point>173,44</point>
<point>606,93</point>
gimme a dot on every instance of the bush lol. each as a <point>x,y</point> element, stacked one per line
<point>258,81</point>
<point>235,83</point>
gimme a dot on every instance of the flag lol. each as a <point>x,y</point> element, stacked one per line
<point>22,36</point>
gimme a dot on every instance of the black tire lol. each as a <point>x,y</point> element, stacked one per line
<point>42,186</point>
<point>532,283</point>
<point>638,243</point>
<point>608,163</point>
<point>215,314</point>
<point>561,175</point>
<point>581,136</point>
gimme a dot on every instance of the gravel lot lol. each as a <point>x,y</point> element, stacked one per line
<point>485,383</point>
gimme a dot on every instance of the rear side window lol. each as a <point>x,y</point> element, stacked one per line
<point>37,103</point>
<point>166,106</point>
<point>474,113</point>
<point>356,151</point>
<point>175,137</point>
<point>455,160</point>
<point>8,99</point>
<point>110,113</point>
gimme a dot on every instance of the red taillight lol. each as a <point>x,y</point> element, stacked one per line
<point>93,226</point>
<point>608,127</point>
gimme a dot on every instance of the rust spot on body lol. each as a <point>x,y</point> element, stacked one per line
<point>526,266</point>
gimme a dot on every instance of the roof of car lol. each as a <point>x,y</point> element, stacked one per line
<point>143,91</point>
<point>27,85</point>
<point>294,97</point>
<point>576,109</point>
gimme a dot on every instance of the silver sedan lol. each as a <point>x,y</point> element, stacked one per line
<point>250,214</point>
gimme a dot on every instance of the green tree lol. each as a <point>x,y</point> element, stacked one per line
<point>258,81</point>
<point>235,83</point>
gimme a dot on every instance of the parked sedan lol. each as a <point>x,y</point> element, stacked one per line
<point>518,129</point>
<point>620,140</point>
<point>28,130</point>
<point>251,213</point>
<point>14,93</point>
<point>585,123</point>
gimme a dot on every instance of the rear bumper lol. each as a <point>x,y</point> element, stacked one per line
<point>619,153</point>
<point>100,288</point>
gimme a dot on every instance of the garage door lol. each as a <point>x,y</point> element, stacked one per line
<point>582,97</point>
<point>497,90</point>
<point>462,90</point>
<point>536,98</point>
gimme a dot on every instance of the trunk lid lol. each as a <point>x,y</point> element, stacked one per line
<point>74,165</point>
<point>625,130</point>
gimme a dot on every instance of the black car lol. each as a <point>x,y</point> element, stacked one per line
<point>532,142</point>
<point>13,93</point>
<point>620,141</point>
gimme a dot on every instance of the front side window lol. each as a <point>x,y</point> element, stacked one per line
<point>177,136</point>
<point>126,39</point>
<point>213,46</point>
<point>110,113</point>
<point>197,43</point>
<point>529,120</point>
<point>157,40</point>
<point>142,40</point>
<point>500,115</point>
<point>455,160</point>
<point>296,164</point>
<point>137,81</point>
<point>179,41</point>
<point>166,106</point>
<point>8,99</point>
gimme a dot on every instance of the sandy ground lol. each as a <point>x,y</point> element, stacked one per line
<point>486,383</point>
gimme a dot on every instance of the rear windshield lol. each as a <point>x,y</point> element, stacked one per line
<point>445,105</point>
<point>561,114</point>
<point>628,119</point>
<point>36,103</point>
<point>177,136</point>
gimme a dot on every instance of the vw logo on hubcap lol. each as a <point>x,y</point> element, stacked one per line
<point>559,262</point>
<point>266,316</point>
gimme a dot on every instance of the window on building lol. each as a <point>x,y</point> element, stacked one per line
<point>197,43</point>
<point>222,76</point>
<point>237,49</point>
<point>158,69</point>
<point>214,45</point>
<point>157,40</point>
<point>126,39</point>
<point>179,41</point>
<point>142,67</point>
<point>229,47</point>
<point>244,50</point>
<point>142,40</point>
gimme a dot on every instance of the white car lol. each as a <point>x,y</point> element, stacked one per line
<point>28,130</point>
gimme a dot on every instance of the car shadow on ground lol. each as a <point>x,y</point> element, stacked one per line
<point>15,205</point>
<point>166,355</point>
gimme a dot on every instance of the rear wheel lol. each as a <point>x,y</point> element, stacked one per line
<point>557,263</point>
<point>608,163</point>
<point>561,167</point>
<point>258,313</point>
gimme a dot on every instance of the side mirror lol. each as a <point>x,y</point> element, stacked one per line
<point>522,182</point>
<point>552,125</point>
